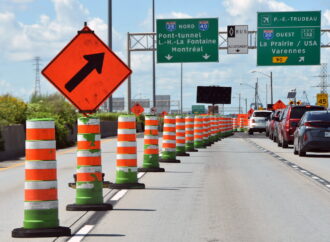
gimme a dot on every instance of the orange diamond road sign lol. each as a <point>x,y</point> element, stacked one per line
<point>137,109</point>
<point>86,71</point>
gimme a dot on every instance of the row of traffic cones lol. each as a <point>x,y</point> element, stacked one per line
<point>180,135</point>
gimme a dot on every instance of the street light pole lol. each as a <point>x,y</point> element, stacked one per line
<point>255,96</point>
<point>239,103</point>
<point>271,88</point>
<point>153,57</point>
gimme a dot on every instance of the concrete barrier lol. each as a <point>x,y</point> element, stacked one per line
<point>13,137</point>
<point>14,142</point>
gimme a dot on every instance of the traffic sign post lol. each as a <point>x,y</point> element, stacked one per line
<point>86,71</point>
<point>288,38</point>
<point>187,40</point>
<point>322,99</point>
<point>237,39</point>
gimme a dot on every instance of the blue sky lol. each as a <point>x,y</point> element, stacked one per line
<point>30,28</point>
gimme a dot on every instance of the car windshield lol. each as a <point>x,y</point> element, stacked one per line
<point>261,114</point>
<point>298,112</point>
<point>319,116</point>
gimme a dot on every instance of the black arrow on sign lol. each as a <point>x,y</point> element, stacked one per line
<point>94,61</point>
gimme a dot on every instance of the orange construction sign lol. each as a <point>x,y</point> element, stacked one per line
<point>279,105</point>
<point>86,71</point>
<point>137,109</point>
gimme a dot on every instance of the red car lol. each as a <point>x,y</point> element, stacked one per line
<point>288,122</point>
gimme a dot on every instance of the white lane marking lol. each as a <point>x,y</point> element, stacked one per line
<point>118,195</point>
<point>81,233</point>
<point>303,171</point>
<point>140,174</point>
<point>315,177</point>
<point>328,185</point>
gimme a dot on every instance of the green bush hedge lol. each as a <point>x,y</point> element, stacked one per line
<point>54,106</point>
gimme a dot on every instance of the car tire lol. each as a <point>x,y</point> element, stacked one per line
<point>285,144</point>
<point>301,153</point>
<point>267,134</point>
<point>279,144</point>
<point>295,150</point>
<point>250,132</point>
<point>274,138</point>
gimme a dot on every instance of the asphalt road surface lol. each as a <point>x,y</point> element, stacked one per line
<point>243,188</point>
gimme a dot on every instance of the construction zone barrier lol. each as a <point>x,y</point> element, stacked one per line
<point>189,129</point>
<point>89,178</point>
<point>126,168</point>
<point>40,195</point>
<point>151,150</point>
<point>180,136</point>
<point>169,141</point>
<point>198,132</point>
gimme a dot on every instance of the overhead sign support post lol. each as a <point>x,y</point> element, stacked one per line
<point>289,38</point>
<point>237,39</point>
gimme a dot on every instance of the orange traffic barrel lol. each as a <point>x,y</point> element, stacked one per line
<point>126,168</point>
<point>169,141</point>
<point>151,149</point>
<point>189,136</point>
<point>40,199</point>
<point>180,136</point>
<point>89,179</point>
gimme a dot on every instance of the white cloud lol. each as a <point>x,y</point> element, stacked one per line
<point>48,36</point>
<point>244,11</point>
<point>326,15</point>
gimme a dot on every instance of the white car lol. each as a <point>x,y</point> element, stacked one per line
<point>257,121</point>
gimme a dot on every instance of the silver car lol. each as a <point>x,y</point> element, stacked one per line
<point>257,121</point>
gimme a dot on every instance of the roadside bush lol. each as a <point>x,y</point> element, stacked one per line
<point>54,106</point>
<point>12,110</point>
<point>108,116</point>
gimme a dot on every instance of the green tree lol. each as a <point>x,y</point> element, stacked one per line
<point>12,110</point>
<point>54,106</point>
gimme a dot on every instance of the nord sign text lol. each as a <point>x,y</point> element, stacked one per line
<point>288,38</point>
<point>187,40</point>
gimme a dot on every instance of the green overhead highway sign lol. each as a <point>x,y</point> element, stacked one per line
<point>187,40</point>
<point>289,38</point>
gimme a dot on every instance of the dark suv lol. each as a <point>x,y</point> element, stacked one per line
<point>288,122</point>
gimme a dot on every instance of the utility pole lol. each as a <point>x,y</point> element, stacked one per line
<point>37,86</point>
